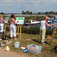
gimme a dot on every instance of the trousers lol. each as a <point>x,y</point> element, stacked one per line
<point>42,34</point>
<point>1,27</point>
<point>12,30</point>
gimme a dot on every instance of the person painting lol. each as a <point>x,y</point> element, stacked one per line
<point>1,24</point>
<point>43,29</point>
<point>12,27</point>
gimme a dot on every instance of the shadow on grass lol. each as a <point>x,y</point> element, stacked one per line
<point>36,40</point>
<point>8,36</point>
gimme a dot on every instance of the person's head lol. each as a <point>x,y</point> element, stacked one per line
<point>45,18</point>
<point>0,16</point>
<point>12,16</point>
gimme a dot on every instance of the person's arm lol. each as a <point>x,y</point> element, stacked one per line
<point>2,19</point>
<point>15,22</point>
<point>48,24</point>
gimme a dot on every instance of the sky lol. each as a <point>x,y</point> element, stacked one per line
<point>17,6</point>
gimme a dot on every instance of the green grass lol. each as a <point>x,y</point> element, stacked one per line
<point>47,50</point>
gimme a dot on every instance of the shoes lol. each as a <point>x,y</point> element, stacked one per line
<point>43,43</point>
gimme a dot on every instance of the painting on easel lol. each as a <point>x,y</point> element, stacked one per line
<point>6,19</point>
<point>20,19</point>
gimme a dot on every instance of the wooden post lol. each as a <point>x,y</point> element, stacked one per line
<point>5,26</point>
<point>54,32</point>
<point>20,32</point>
<point>18,28</point>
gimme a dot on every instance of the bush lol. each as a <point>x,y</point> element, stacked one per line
<point>35,30</point>
<point>30,30</point>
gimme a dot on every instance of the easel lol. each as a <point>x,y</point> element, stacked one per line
<point>53,35</point>
<point>49,37</point>
<point>54,32</point>
<point>51,28</point>
<point>17,28</point>
<point>6,25</point>
<point>5,30</point>
<point>6,21</point>
<point>20,28</point>
<point>55,27</point>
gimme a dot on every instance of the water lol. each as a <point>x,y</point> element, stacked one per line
<point>22,15</point>
<point>18,14</point>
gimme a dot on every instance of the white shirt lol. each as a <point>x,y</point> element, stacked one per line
<point>43,25</point>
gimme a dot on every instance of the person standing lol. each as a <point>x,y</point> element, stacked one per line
<point>43,29</point>
<point>1,24</point>
<point>12,27</point>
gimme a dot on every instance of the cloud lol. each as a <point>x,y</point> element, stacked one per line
<point>20,0</point>
<point>50,1</point>
<point>54,0</point>
<point>33,5</point>
<point>5,4</point>
<point>13,1</point>
<point>33,1</point>
<point>7,0</point>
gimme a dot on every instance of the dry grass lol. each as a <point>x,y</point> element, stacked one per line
<point>47,50</point>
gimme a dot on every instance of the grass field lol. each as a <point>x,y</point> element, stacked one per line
<point>47,50</point>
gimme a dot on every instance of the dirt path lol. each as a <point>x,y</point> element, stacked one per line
<point>10,54</point>
<point>7,54</point>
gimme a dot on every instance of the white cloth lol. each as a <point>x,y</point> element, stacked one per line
<point>12,30</point>
<point>1,27</point>
<point>43,25</point>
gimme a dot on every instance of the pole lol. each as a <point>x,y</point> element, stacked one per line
<point>51,23</point>
<point>20,32</point>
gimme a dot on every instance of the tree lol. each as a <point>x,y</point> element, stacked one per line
<point>23,12</point>
<point>30,12</point>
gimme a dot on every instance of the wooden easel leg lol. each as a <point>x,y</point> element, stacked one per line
<point>18,29</point>
<point>20,32</point>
